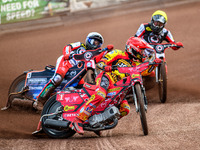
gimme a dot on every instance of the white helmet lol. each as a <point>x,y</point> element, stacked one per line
<point>91,38</point>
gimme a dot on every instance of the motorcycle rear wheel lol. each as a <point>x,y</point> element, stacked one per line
<point>140,102</point>
<point>17,84</point>
<point>50,107</point>
<point>162,82</point>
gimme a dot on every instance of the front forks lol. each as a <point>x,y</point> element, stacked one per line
<point>135,98</point>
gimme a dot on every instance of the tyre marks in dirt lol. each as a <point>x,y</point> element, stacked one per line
<point>107,142</point>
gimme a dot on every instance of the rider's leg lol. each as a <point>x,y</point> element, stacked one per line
<point>103,81</point>
<point>124,108</point>
<point>62,68</point>
<point>47,91</point>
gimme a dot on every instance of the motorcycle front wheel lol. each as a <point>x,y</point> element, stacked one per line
<point>90,76</point>
<point>50,107</point>
<point>140,103</point>
<point>162,82</point>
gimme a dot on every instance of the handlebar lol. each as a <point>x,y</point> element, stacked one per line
<point>161,47</point>
<point>89,54</point>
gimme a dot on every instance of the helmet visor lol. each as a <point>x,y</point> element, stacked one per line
<point>158,24</point>
<point>94,42</point>
<point>159,18</point>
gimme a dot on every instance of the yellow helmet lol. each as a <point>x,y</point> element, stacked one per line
<point>158,21</point>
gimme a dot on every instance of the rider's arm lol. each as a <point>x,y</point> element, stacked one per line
<point>140,31</point>
<point>170,39</point>
<point>108,59</point>
<point>66,51</point>
<point>69,50</point>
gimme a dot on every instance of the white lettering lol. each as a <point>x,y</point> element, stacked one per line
<point>5,1</point>
<point>11,7</point>
<point>19,15</point>
<point>30,4</point>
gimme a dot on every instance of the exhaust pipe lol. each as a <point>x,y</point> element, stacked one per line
<point>56,124</point>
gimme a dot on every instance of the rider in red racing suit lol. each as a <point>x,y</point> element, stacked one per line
<point>134,52</point>
<point>94,40</point>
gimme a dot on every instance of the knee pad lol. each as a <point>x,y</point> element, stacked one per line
<point>56,80</point>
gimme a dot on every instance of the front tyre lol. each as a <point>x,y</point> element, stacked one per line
<point>90,76</point>
<point>50,107</point>
<point>141,107</point>
<point>162,82</point>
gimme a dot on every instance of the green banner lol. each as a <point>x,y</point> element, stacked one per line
<point>22,10</point>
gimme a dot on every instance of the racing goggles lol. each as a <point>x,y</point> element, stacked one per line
<point>96,43</point>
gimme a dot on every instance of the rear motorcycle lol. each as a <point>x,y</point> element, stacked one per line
<point>161,70</point>
<point>62,108</point>
<point>26,87</point>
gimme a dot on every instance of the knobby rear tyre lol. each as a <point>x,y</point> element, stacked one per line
<point>17,84</point>
<point>162,83</point>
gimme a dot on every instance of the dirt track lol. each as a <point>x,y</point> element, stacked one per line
<point>173,125</point>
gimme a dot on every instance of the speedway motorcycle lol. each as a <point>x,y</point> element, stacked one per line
<point>161,70</point>
<point>26,87</point>
<point>62,108</point>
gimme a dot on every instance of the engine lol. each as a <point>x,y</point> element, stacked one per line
<point>104,118</point>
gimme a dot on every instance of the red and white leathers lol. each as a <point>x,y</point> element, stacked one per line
<point>67,61</point>
<point>63,64</point>
<point>145,32</point>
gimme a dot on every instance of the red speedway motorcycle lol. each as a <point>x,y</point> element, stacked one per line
<point>161,70</point>
<point>62,108</point>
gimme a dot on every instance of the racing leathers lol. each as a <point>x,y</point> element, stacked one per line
<point>104,80</point>
<point>145,32</point>
<point>63,64</point>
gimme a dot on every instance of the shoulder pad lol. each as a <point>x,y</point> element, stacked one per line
<point>75,45</point>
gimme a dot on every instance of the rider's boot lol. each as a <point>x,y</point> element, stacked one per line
<point>39,103</point>
<point>77,125</point>
<point>99,133</point>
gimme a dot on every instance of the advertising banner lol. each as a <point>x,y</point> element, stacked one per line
<point>22,10</point>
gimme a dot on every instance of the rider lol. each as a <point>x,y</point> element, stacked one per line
<point>155,31</point>
<point>134,53</point>
<point>93,41</point>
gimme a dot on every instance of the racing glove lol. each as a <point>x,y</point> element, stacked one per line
<point>178,45</point>
<point>73,62</point>
<point>157,61</point>
<point>108,68</point>
<point>110,47</point>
